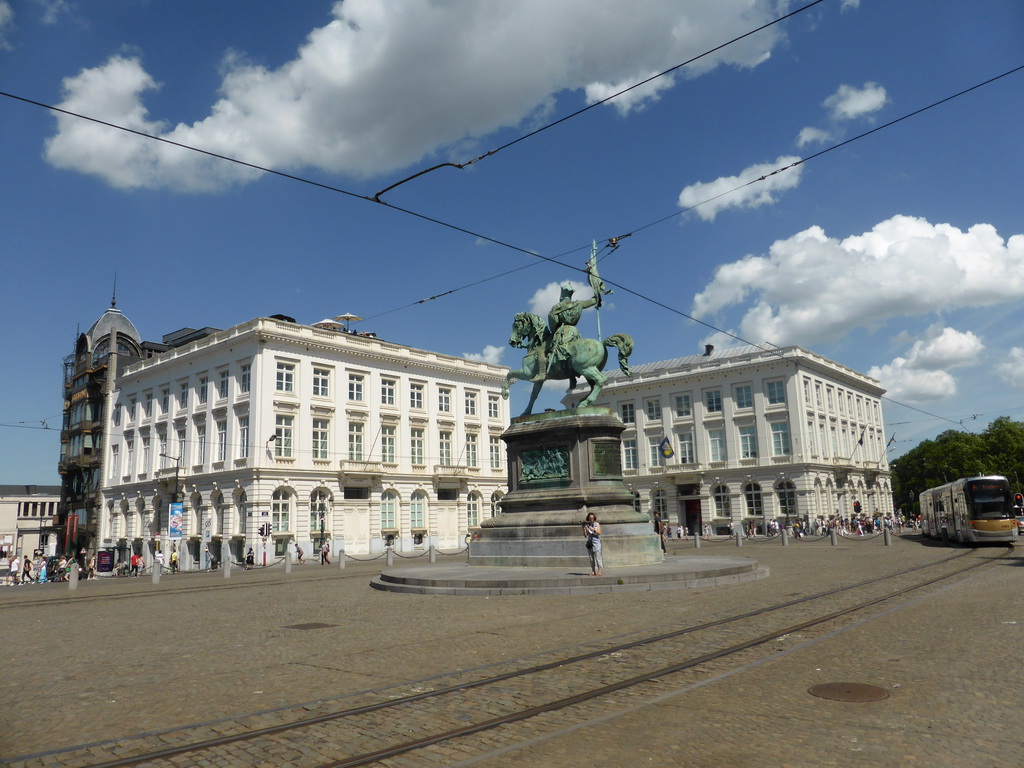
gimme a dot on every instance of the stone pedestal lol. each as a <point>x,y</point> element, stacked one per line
<point>562,466</point>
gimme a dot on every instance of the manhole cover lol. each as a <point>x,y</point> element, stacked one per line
<point>848,692</point>
<point>311,625</point>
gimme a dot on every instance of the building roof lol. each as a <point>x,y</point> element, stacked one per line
<point>112,319</point>
<point>29,490</point>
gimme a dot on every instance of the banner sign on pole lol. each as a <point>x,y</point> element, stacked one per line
<point>175,521</point>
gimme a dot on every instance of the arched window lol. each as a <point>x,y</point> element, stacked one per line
<point>755,504</point>
<point>473,510</point>
<point>418,510</point>
<point>720,494</point>
<point>388,510</point>
<point>196,516</point>
<point>786,492</point>
<point>320,514</point>
<point>281,511</point>
<point>219,514</point>
<point>496,503</point>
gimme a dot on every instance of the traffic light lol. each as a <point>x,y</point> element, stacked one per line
<point>265,529</point>
<point>856,507</point>
<point>1018,500</point>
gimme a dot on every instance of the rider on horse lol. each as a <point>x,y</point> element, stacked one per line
<point>562,320</point>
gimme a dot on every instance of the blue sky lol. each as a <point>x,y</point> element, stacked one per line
<point>900,254</point>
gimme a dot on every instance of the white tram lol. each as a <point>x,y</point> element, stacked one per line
<point>970,511</point>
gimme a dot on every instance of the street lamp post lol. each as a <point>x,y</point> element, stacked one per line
<point>174,496</point>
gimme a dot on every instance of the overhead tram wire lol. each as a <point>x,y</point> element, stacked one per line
<point>464,230</point>
<point>594,105</point>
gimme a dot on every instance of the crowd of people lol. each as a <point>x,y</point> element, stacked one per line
<point>843,526</point>
<point>37,569</point>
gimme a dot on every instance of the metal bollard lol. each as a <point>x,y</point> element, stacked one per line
<point>785,537</point>
<point>390,558</point>
<point>156,571</point>
<point>432,554</point>
<point>886,537</point>
<point>696,541</point>
<point>225,559</point>
<point>288,562</point>
<point>73,576</point>
<point>739,539</point>
<point>834,536</point>
<point>341,559</point>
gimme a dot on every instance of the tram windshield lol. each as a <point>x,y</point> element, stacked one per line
<point>988,499</point>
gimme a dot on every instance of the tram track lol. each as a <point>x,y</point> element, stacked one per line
<point>455,711</point>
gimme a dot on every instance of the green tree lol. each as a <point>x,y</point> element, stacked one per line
<point>999,450</point>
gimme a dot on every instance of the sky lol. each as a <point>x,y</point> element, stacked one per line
<point>895,248</point>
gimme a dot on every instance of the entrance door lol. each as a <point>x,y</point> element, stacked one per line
<point>694,520</point>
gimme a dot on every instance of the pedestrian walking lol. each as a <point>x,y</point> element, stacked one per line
<point>325,553</point>
<point>174,559</point>
<point>250,559</point>
<point>299,553</point>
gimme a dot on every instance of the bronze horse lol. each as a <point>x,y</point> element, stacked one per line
<point>586,358</point>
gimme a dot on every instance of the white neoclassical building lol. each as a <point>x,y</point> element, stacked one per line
<point>753,435</point>
<point>318,433</point>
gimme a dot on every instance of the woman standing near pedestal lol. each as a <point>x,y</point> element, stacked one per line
<point>592,530</point>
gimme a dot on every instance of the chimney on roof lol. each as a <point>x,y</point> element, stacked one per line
<point>708,349</point>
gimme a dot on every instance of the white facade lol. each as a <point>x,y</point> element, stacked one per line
<point>319,433</point>
<point>26,514</point>
<point>757,435</point>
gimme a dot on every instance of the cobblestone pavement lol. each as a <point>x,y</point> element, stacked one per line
<point>121,657</point>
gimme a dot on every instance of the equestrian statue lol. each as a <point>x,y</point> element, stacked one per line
<point>556,351</point>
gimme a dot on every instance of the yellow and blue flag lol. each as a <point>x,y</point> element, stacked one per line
<point>666,449</point>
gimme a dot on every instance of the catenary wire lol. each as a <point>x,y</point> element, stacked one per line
<point>595,104</point>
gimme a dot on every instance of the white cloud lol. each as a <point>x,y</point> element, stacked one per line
<point>906,384</point>
<point>491,354</point>
<point>1011,370</point>
<point>6,24</point>
<point>52,9</point>
<point>848,102</point>
<point>383,85</point>
<point>846,5</point>
<point>922,375</point>
<point>814,289</point>
<point>716,196</point>
<point>810,135</point>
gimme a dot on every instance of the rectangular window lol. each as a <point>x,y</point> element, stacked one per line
<point>713,400</point>
<point>416,506</point>
<point>748,442</point>
<point>183,395</point>
<point>629,456</point>
<point>628,413</point>
<point>780,438</point>
<point>744,396</point>
<point>492,407</point>
<point>716,445</point>
<point>161,449</point>
<point>285,377</point>
<point>165,399</point>
<point>654,451</point>
<point>284,431</point>
<point>470,400</point>
<point>321,382</point>
<point>387,445</point>
<point>472,458</point>
<point>416,396</point>
<point>181,445</point>
<point>495,453</point>
<point>117,415</point>
<point>653,408</point>
<point>686,448</point>
<point>131,410</point>
<point>472,511</point>
<point>387,391</point>
<point>388,502</point>
<point>444,445</point>
<point>147,409</point>
<point>202,389</point>
<point>355,387</point>
<point>321,428</point>
<point>243,437</point>
<point>115,462</point>
<point>355,442</point>
<point>683,405</point>
<point>776,392</point>
<point>222,440</point>
<point>416,446</point>
<point>280,513</point>
<point>147,457</point>
<point>200,443</point>
<point>444,400</point>
<point>245,378</point>
<point>222,385</point>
